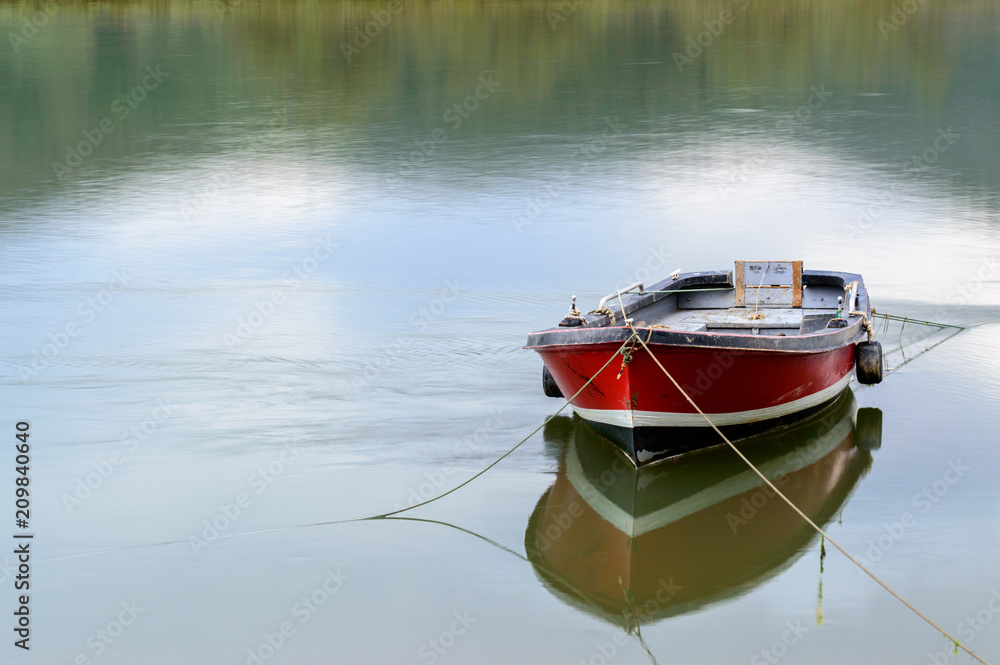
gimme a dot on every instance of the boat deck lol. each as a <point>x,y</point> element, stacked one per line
<point>741,320</point>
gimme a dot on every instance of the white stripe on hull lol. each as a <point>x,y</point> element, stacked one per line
<point>630,419</point>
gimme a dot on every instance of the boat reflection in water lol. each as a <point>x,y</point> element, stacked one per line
<point>649,543</point>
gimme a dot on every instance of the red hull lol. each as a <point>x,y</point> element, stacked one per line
<point>736,386</point>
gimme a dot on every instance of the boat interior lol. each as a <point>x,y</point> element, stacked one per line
<point>774,298</point>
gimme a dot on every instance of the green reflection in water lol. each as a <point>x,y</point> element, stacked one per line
<point>230,70</point>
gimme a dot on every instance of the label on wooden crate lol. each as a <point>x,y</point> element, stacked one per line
<point>768,283</point>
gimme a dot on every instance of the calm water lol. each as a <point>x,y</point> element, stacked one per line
<point>248,283</point>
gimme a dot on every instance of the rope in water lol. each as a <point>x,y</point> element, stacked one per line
<point>796,508</point>
<point>394,512</point>
<point>499,459</point>
<point>906,319</point>
<point>548,571</point>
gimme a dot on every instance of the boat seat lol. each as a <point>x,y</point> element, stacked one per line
<point>814,323</point>
<point>739,317</point>
<point>689,326</point>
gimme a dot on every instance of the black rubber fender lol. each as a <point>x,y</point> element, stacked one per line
<point>868,429</point>
<point>549,386</point>
<point>868,362</point>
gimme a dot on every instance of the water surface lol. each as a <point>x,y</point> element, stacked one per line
<point>306,284</point>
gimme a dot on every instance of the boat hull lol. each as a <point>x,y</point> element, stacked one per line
<point>742,391</point>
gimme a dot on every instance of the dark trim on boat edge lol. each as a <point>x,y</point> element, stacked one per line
<point>597,330</point>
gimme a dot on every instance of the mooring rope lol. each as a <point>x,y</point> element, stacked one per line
<point>569,401</point>
<point>904,320</point>
<point>548,571</point>
<point>380,515</point>
<point>800,513</point>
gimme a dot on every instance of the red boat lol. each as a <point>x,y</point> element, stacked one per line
<point>753,347</point>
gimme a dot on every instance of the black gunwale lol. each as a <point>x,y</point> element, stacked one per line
<point>599,332</point>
